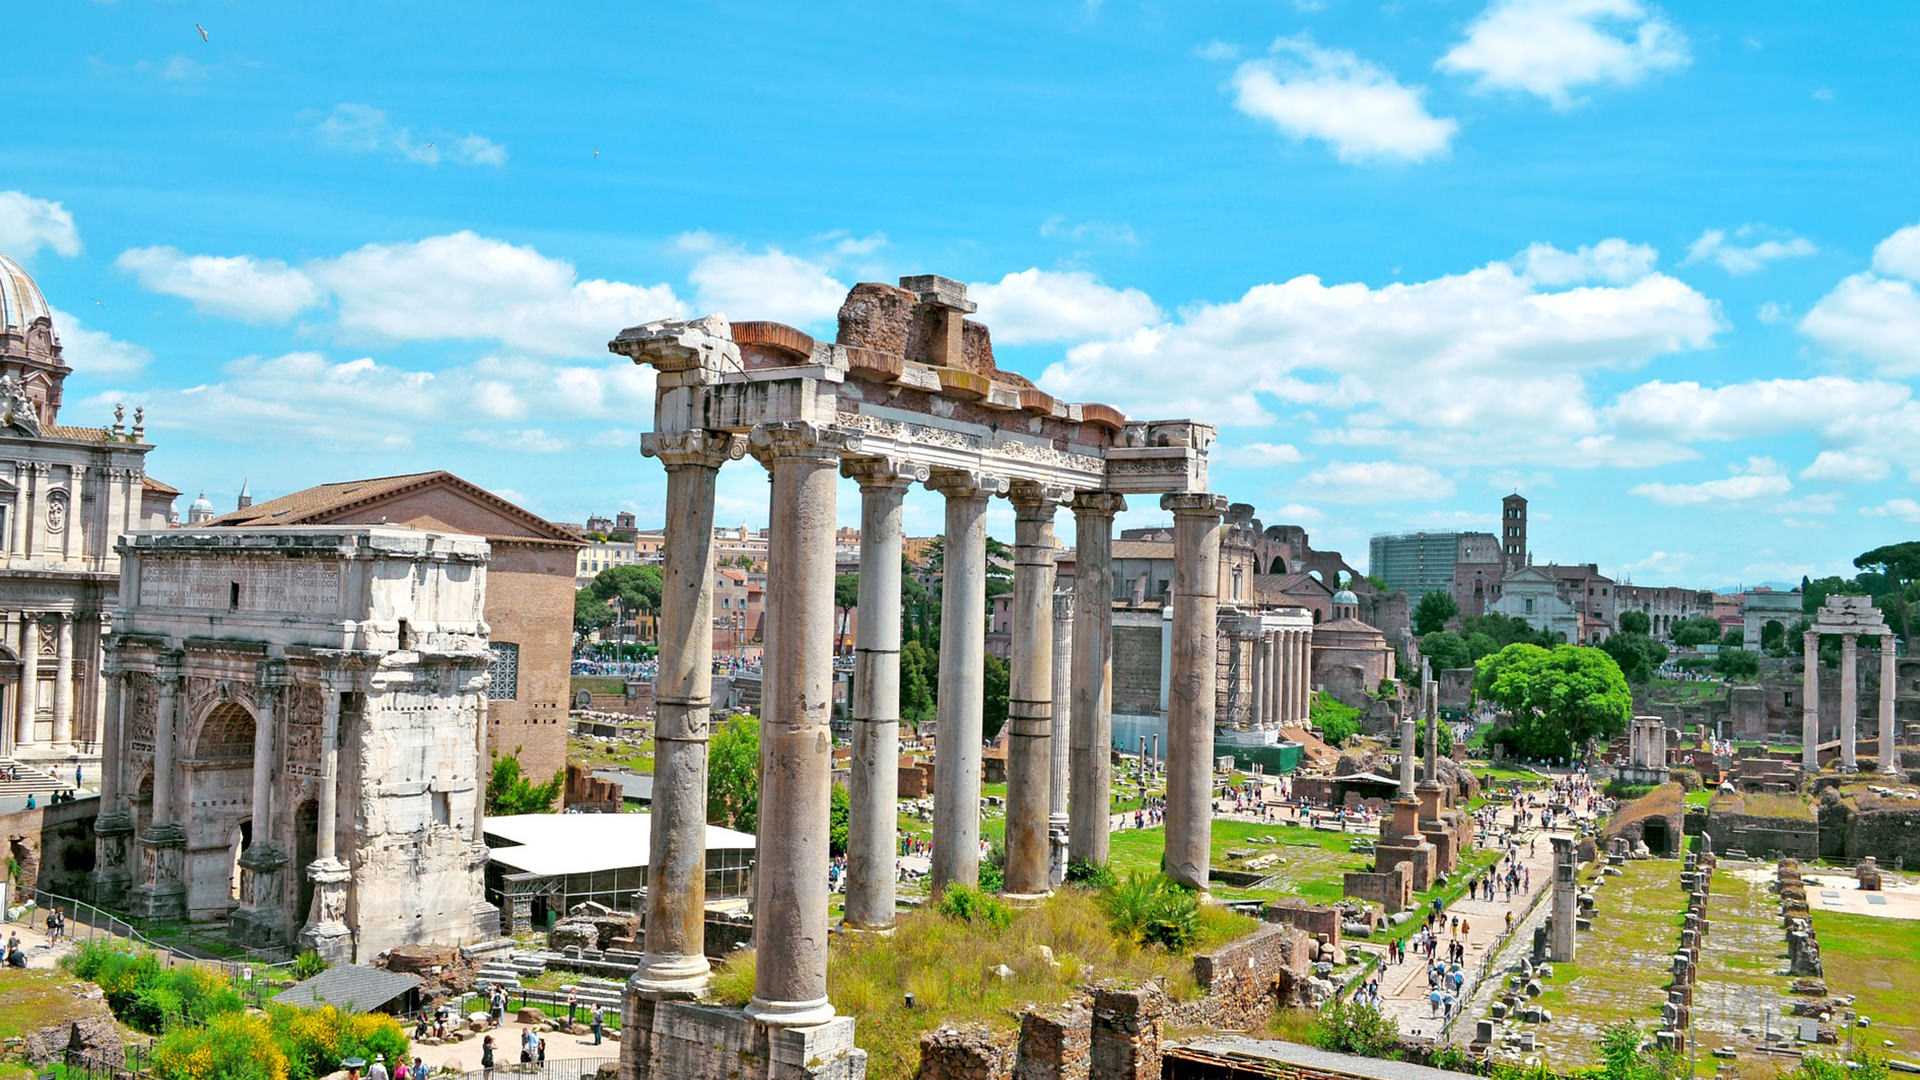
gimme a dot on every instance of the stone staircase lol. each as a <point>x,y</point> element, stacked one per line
<point>507,971</point>
<point>28,780</point>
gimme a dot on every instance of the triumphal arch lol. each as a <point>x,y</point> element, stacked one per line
<point>907,393</point>
<point>295,735</point>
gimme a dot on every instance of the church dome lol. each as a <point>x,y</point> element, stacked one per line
<point>1345,598</point>
<point>21,303</point>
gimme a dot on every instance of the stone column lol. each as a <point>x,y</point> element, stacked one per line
<point>100,695</point>
<point>261,918</point>
<point>1406,757</point>
<point>326,930</point>
<point>1303,683</point>
<point>874,784</point>
<point>63,682</point>
<point>1849,701</point>
<point>674,963</point>
<point>1565,900</point>
<point>1889,738</point>
<point>17,540</point>
<point>113,828</point>
<point>1257,716</point>
<point>1030,693</point>
<point>1060,744</point>
<point>162,893</point>
<point>963,632</point>
<point>30,681</point>
<point>1278,682</point>
<point>1810,702</point>
<point>790,916</point>
<point>1196,582</point>
<point>1089,797</point>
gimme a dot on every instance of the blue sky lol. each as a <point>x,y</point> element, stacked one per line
<point>1654,266</point>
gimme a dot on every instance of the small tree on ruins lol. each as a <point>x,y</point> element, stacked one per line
<point>1558,701</point>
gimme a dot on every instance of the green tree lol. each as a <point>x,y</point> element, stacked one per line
<point>1691,633</point>
<point>510,792</point>
<point>1637,654</point>
<point>919,668</point>
<point>994,687</point>
<point>1635,622</point>
<point>733,774</point>
<point>1737,664</point>
<point>1735,637</point>
<point>1558,700</point>
<point>1773,637</point>
<point>1503,630</point>
<point>590,613</point>
<point>634,589</point>
<point>1430,615</point>
<point>840,812</point>
<point>1445,649</point>
<point>846,597</point>
<point>1334,719</point>
<point>1899,563</point>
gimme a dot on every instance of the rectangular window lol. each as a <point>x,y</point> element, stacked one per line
<point>505,670</point>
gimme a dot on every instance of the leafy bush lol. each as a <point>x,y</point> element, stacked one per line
<point>966,904</point>
<point>1348,1028</point>
<point>234,1047</point>
<point>1336,721</point>
<point>1153,909</point>
<point>1093,875</point>
<point>307,965</point>
<point>316,1040</point>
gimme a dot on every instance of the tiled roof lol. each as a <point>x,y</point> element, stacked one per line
<point>351,987</point>
<point>322,502</point>
<point>158,487</point>
<point>78,434</point>
<point>1142,549</point>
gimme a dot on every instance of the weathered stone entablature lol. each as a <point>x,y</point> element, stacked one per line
<point>308,699</point>
<point>907,393</point>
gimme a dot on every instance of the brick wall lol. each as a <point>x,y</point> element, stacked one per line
<point>1136,670</point>
<point>54,845</point>
<point>1245,980</point>
<point>530,604</point>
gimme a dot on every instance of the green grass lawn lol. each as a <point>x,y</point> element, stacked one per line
<point>598,684</point>
<point>1620,968</point>
<point>1879,961</point>
<point>596,754</point>
<point>1490,774</point>
<point>1698,798</point>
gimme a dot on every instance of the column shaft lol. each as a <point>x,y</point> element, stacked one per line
<point>874,784</point>
<point>1190,714</point>
<point>1276,680</point>
<point>17,536</point>
<point>324,842</point>
<point>1406,758</point>
<point>1889,738</point>
<point>30,679</point>
<point>63,681</point>
<point>1089,796</point>
<point>675,960</point>
<point>1303,683</point>
<point>265,733</point>
<point>1810,702</point>
<point>1849,701</point>
<point>1259,714</point>
<point>113,786</point>
<point>963,616</point>
<point>1030,695</point>
<point>790,922</point>
<point>1061,744</point>
<point>163,777</point>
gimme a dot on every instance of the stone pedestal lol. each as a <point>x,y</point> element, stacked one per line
<point>112,850</point>
<point>681,1040</point>
<point>162,892</point>
<point>326,931</point>
<point>261,919</point>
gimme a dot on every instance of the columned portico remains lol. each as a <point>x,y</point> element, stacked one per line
<point>1849,618</point>
<point>910,393</point>
<point>1196,578</point>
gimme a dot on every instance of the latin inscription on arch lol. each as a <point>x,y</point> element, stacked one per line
<point>264,585</point>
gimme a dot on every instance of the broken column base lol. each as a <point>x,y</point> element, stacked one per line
<point>161,895</point>
<point>327,933</point>
<point>685,1040</point>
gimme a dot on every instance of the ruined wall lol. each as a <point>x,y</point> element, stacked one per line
<point>1245,980</point>
<point>1763,837</point>
<point>1852,828</point>
<point>53,844</point>
<point>1136,670</point>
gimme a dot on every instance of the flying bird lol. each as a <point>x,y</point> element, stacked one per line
<point>203,33</point>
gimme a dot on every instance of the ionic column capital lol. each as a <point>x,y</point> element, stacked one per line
<point>967,483</point>
<point>1032,499</point>
<point>1194,503</point>
<point>874,473</point>
<point>1098,503</point>
<point>798,440</point>
<point>698,448</point>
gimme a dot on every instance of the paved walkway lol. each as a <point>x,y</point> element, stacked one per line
<point>1403,987</point>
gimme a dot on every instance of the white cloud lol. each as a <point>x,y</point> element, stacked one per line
<point>1379,481</point>
<point>1902,508</point>
<point>1689,411</point>
<point>1818,505</point>
<point>1761,247</point>
<point>1035,305</point>
<point>768,284</point>
<point>96,354</point>
<point>1846,467</point>
<point>1613,261</point>
<point>1773,313</point>
<point>1759,478</point>
<point>1552,48</point>
<point>1111,233</point>
<point>240,286</point>
<point>363,129</point>
<point>1503,363</point>
<point>1899,254</point>
<point>28,224</point>
<point>467,287</point>
<point>1293,514</point>
<point>1259,454</point>
<point>1332,95</point>
<point>521,440</point>
<point>1875,318</point>
<point>1217,51</point>
<point>1823,94</point>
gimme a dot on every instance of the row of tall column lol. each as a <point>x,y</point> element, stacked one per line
<point>1849,703</point>
<point>1283,678</point>
<point>790,902</point>
<point>27,700</point>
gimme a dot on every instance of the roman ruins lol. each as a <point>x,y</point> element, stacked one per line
<point>1849,618</point>
<point>908,393</point>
